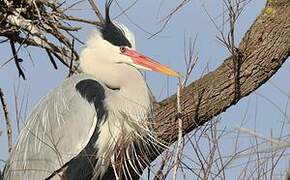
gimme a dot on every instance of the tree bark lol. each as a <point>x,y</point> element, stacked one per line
<point>262,51</point>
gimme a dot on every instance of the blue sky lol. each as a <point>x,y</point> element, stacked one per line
<point>263,115</point>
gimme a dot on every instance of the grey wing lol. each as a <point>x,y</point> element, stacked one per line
<point>57,130</point>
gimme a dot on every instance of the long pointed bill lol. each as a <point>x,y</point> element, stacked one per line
<point>148,63</point>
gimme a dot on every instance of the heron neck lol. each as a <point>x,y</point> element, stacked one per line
<point>133,86</point>
<point>130,88</point>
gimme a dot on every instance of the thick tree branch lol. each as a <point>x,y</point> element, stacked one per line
<point>264,49</point>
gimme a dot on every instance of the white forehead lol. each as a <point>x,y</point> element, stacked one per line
<point>129,35</point>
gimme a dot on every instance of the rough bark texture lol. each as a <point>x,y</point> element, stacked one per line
<point>262,51</point>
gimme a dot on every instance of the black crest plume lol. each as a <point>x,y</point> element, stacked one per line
<point>111,32</point>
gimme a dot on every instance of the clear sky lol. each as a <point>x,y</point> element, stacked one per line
<point>263,111</point>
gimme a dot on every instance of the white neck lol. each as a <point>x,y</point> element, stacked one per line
<point>133,89</point>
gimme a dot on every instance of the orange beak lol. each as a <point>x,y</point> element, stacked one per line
<point>148,63</point>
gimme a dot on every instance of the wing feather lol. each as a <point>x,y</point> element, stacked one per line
<point>57,130</point>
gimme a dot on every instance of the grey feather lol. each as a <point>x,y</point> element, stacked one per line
<point>49,140</point>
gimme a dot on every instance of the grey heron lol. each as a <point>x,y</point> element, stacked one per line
<point>85,122</point>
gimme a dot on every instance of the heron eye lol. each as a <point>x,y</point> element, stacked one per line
<point>122,49</point>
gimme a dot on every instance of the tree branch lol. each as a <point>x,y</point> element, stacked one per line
<point>264,48</point>
<point>7,120</point>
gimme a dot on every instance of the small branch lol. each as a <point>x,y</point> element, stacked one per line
<point>260,136</point>
<point>180,134</point>
<point>167,19</point>
<point>38,39</point>
<point>72,18</point>
<point>51,59</point>
<point>97,11</point>
<point>159,174</point>
<point>17,60</point>
<point>7,120</point>
<point>190,58</point>
<point>190,62</point>
<point>71,72</point>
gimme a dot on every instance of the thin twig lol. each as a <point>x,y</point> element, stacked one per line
<point>51,59</point>
<point>17,60</point>
<point>167,19</point>
<point>124,12</point>
<point>71,72</point>
<point>97,11</point>
<point>179,140</point>
<point>190,58</point>
<point>7,120</point>
<point>72,18</point>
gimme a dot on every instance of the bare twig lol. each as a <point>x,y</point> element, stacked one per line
<point>72,18</point>
<point>124,12</point>
<point>179,141</point>
<point>190,62</point>
<point>159,173</point>
<point>167,19</point>
<point>7,120</point>
<point>17,60</point>
<point>97,11</point>
<point>51,59</point>
<point>190,58</point>
<point>71,72</point>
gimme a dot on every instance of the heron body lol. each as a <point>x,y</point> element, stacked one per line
<point>83,124</point>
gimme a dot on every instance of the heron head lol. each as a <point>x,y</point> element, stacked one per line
<point>124,41</point>
<point>115,43</point>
